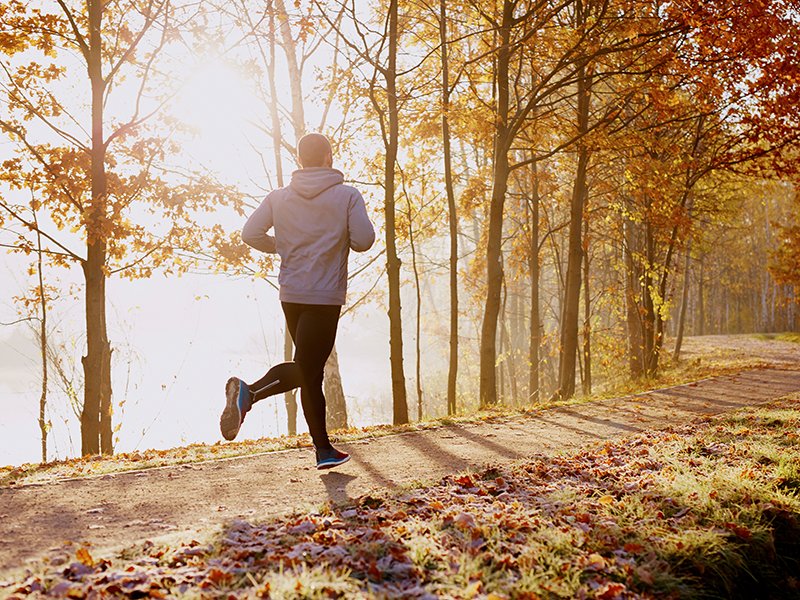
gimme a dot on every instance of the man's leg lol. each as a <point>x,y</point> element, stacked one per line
<point>279,379</point>
<point>239,396</point>
<point>314,333</point>
<point>313,329</point>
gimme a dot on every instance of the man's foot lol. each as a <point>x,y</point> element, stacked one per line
<point>237,403</point>
<point>327,458</point>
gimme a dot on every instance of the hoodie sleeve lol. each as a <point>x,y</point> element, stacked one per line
<point>254,233</point>
<point>362,235</point>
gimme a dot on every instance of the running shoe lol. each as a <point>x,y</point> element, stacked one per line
<point>327,458</point>
<point>237,403</point>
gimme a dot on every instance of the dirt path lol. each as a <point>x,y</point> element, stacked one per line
<point>115,511</point>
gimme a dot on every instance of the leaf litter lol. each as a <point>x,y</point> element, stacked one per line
<point>711,508</point>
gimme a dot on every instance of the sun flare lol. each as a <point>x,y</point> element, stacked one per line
<point>218,102</point>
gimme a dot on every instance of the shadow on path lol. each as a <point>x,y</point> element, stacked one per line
<point>336,483</point>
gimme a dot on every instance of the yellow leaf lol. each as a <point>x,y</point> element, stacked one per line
<point>595,562</point>
<point>84,557</point>
<point>607,499</point>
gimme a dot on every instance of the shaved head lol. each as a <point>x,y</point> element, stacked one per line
<point>314,150</point>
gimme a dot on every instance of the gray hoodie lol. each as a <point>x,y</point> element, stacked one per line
<point>317,221</point>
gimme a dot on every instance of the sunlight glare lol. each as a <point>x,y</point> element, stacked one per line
<point>217,103</point>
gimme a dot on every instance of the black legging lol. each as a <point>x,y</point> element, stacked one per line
<point>313,330</point>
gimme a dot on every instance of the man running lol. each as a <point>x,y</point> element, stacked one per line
<point>317,221</point>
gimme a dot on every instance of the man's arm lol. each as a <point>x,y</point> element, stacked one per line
<point>255,230</point>
<point>362,235</point>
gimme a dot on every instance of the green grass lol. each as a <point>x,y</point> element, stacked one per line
<point>708,510</point>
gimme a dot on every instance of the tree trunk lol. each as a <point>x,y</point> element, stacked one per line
<point>569,319</point>
<point>43,427</point>
<point>648,303</point>
<point>587,313</point>
<point>507,348</point>
<point>452,371</point>
<point>290,397</point>
<point>418,315</point>
<point>400,402</point>
<point>701,309</point>
<point>289,46</point>
<point>516,325</point>
<point>494,249</point>
<point>96,431</point>
<point>632,287</point>
<point>335,402</point>
<point>502,356</point>
<point>676,355</point>
<point>533,267</point>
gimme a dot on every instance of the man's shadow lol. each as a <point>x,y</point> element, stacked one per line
<point>336,486</point>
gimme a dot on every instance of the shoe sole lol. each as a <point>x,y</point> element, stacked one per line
<point>231,418</point>
<point>332,464</point>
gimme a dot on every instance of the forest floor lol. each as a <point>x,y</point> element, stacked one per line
<point>100,518</point>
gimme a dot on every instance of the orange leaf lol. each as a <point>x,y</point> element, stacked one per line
<point>84,557</point>
<point>464,481</point>
<point>610,591</point>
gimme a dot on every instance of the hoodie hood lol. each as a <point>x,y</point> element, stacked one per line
<point>311,182</point>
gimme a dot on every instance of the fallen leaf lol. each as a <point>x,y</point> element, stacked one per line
<point>84,557</point>
<point>595,562</point>
<point>610,591</point>
<point>739,530</point>
<point>464,481</point>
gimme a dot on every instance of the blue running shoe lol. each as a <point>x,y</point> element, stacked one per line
<point>237,403</point>
<point>327,458</point>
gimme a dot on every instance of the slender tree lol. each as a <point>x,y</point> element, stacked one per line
<point>89,169</point>
<point>452,213</point>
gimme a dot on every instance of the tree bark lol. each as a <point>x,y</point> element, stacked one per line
<point>418,316</point>
<point>507,350</point>
<point>515,334</point>
<point>648,304</point>
<point>289,46</point>
<point>400,401</point>
<point>701,309</point>
<point>569,319</point>
<point>632,286</point>
<point>676,355</point>
<point>96,431</point>
<point>452,370</point>
<point>42,341</point>
<point>587,313</point>
<point>533,268</point>
<point>494,249</point>
<point>290,397</point>
<point>335,401</point>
